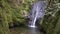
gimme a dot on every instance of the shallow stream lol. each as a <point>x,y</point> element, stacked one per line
<point>24,30</point>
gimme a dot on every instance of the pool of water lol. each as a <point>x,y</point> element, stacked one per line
<point>24,30</point>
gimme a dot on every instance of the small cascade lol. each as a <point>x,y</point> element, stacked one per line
<point>34,21</point>
<point>37,11</point>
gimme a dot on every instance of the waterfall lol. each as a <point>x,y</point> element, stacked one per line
<point>37,11</point>
<point>34,21</point>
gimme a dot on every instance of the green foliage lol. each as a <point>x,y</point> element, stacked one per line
<point>51,17</point>
<point>16,10</point>
<point>10,11</point>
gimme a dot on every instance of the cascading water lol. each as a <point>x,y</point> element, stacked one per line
<point>37,11</point>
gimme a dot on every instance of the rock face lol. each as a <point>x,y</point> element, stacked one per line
<point>37,7</point>
<point>37,11</point>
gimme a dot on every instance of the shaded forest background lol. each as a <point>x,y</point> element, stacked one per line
<point>13,11</point>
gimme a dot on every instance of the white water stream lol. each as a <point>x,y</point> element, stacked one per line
<point>37,11</point>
